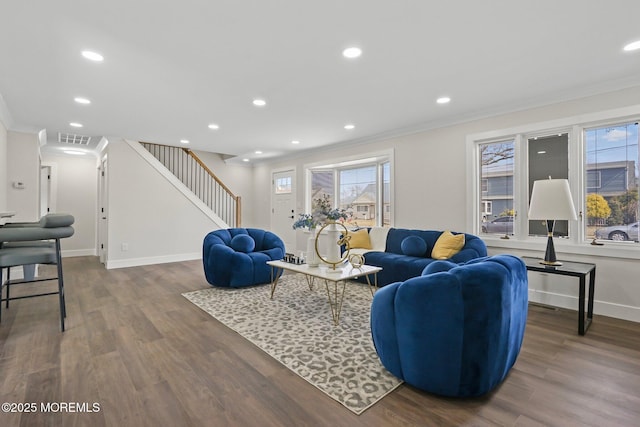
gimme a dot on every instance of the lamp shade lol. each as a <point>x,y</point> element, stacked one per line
<point>551,199</point>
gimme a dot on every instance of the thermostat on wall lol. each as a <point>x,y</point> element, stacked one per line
<point>18,185</point>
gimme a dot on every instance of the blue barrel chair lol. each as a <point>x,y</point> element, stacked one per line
<point>237,257</point>
<point>456,330</point>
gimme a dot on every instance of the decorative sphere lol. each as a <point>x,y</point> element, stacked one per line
<point>356,260</point>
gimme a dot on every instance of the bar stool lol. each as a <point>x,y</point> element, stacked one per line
<point>34,243</point>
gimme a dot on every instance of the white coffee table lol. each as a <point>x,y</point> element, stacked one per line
<point>335,295</point>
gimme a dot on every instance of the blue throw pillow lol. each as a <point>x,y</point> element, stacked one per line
<point>413,246</point>
<point>243,243</point>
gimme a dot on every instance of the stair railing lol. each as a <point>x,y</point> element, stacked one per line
<point>194,174</point>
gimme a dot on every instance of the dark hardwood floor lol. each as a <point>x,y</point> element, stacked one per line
<point>148,357</point>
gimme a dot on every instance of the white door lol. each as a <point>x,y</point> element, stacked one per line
<point>45,189</point>
<point>283,203</point>
<point>102,213</point>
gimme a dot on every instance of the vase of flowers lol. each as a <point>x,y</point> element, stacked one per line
<point>322,213</point>
<point>305,221</point>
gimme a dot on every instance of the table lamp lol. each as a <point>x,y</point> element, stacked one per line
<point>550,201</point>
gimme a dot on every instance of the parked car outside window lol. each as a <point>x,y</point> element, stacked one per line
<point>619,233</point>
<point>502,224</point>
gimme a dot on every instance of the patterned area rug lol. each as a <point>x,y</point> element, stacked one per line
<point>296,329</point>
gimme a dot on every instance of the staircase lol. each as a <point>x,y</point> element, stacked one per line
<point>199,179</point>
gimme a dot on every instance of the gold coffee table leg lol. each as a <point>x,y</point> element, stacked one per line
<point>335,300</point>
<point>310,280</point>
<point>372,288</point>
<point>274,281</point>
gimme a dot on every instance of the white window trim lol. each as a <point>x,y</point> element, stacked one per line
<point>574,125</point>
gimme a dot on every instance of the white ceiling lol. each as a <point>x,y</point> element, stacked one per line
<point>173,67</point>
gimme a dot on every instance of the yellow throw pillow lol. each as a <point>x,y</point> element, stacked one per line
<point>447,245</point>
<point>360,239</point>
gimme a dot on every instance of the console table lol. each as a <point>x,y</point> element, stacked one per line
<point>573,269</point>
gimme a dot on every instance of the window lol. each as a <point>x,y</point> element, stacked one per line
<point>487,208</point>
<point>283,185</point>
<point>612,175</point>
<point>359,194</point>
<point>548,157</point>
<point>496,182</point>
<point>597,153</point>
<point>362,187</point>
<point>322,184</point>
<point>594,179</point>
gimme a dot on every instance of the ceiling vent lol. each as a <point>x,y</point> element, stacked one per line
<point>70,138</point>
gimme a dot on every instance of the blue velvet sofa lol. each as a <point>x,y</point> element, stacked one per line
<point>398,266</point>
<point>456,330</point>
<point>237,257</point>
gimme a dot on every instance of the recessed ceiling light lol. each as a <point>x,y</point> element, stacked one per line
<point>542,152</point>
<point>258,152</point>
<point>93,56</point>
<point>75,125</point>
<point>632,46</point>
<point>245,160</point>
<point>184,141</point>
<point>81,100</point>
<point>443,100</point>
<point>259,102</point>
<point>214,126</point>
<point>75,152</point>
<point>352,52</point>
<point>349,127</point>
<point>295,142</point>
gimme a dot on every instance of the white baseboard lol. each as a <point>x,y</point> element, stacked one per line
<point>78,252</point>
<point>618,311</point>
<point>134,262</point>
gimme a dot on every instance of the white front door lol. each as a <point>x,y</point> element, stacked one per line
<point>283,203</point>
<point>102,213</point>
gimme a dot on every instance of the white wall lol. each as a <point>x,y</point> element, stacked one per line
<point>3,168</point>
<point>75,183</point>
<point>24,151</point>
<point>147,214</point>
<point>429,185</point>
